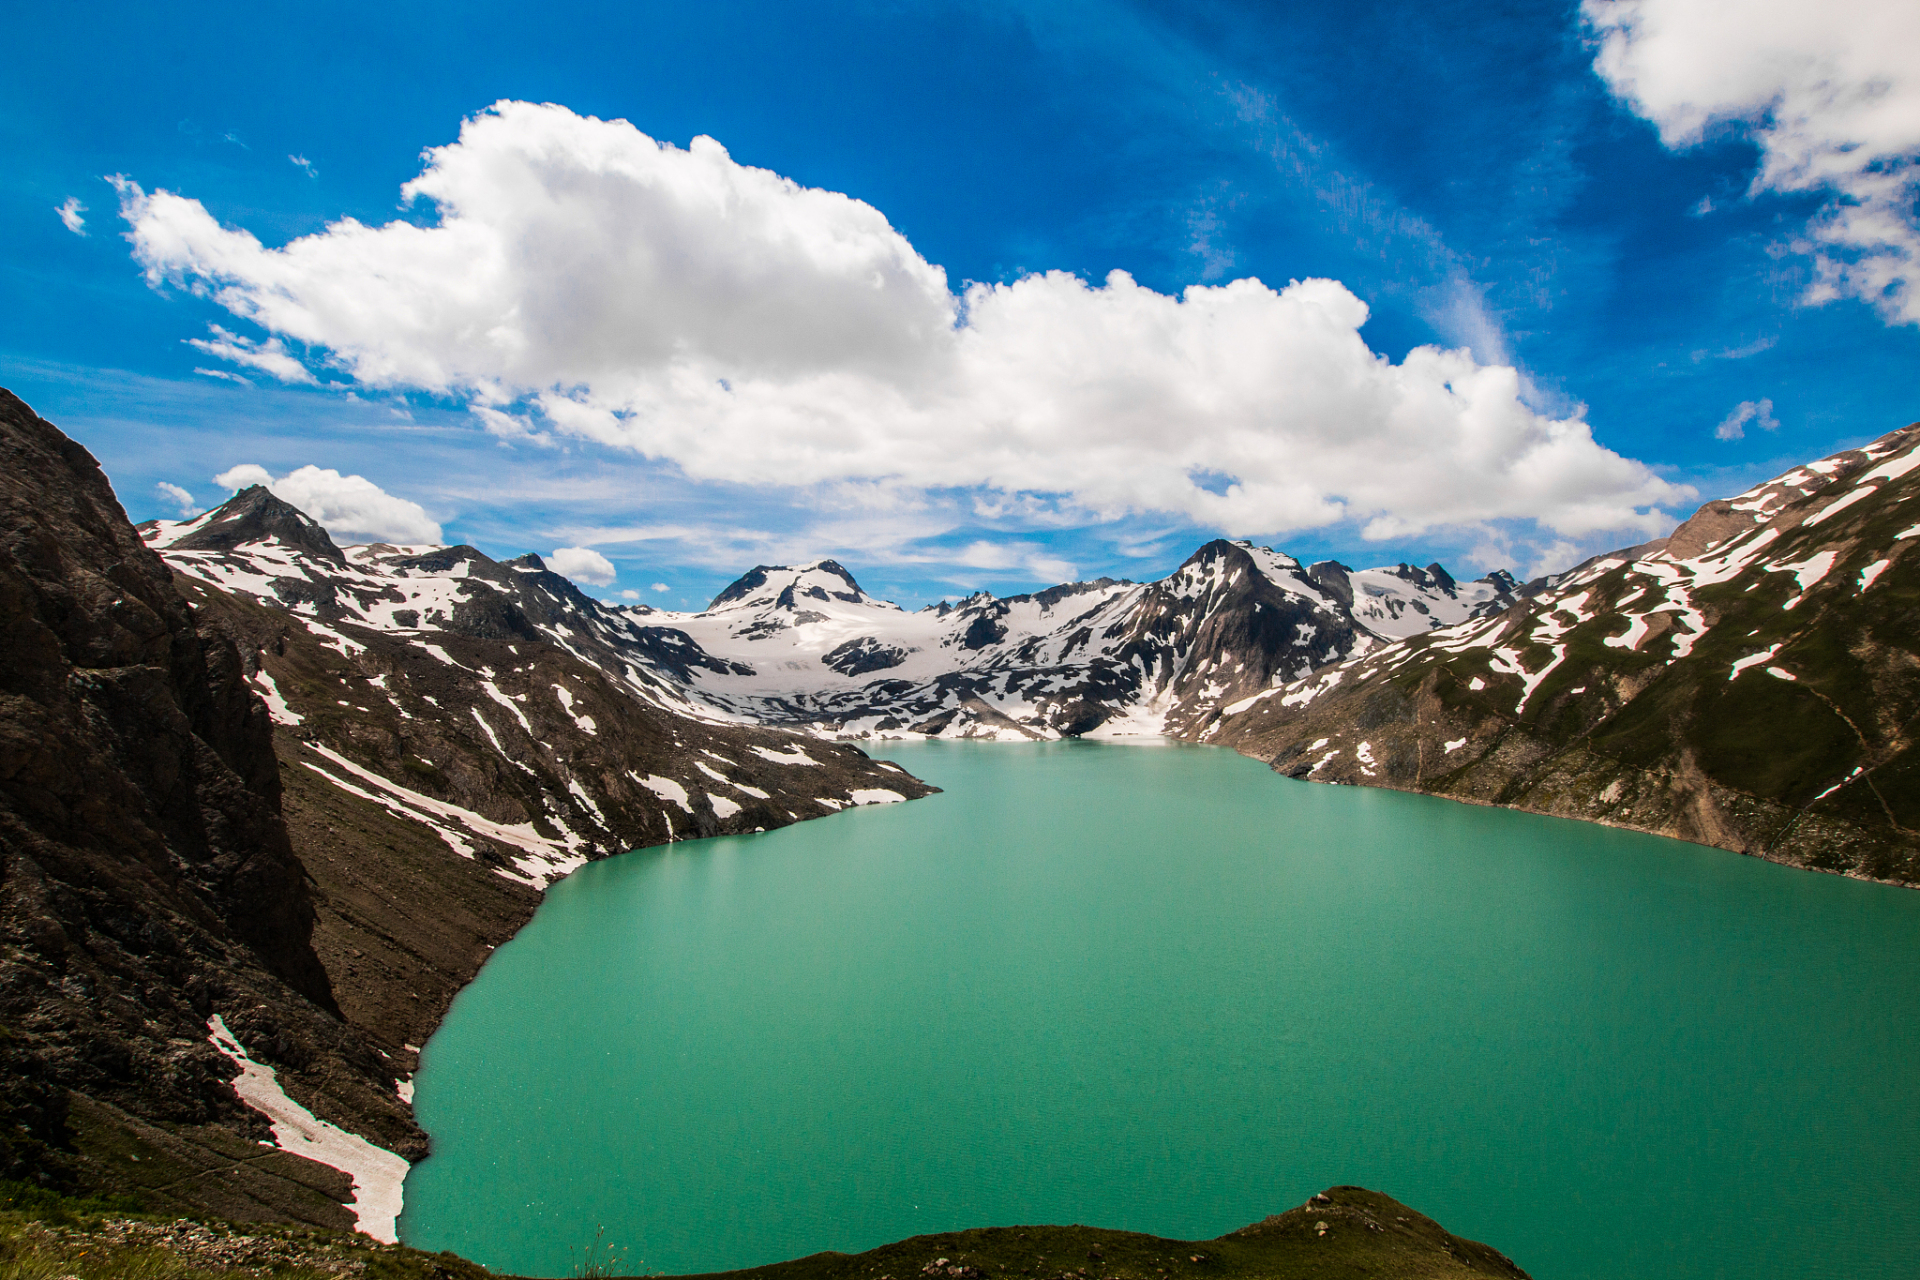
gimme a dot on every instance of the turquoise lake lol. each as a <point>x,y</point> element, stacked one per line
<point>1163,989</point>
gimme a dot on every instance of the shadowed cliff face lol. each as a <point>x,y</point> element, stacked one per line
<point>146,876</point>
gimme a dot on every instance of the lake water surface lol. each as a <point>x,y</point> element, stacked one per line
<point>1163,989</point>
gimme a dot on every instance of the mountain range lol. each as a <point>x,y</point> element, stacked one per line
<point>1745,682</point>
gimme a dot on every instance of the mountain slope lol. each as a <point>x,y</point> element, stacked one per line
<point>1750,682</point>
<point>455,733</point>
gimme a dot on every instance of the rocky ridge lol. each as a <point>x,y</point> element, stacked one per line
<point>1750,682</point>
<point>805,646</point>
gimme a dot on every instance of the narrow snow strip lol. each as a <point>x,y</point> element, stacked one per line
<point>1753,660</point>
<point>387,802</point>
<point>346,645</point>
<point>1836,786</point>
<point>795,756</point>
<point>501,698</point>
<point>876,795</point>
<point>1892,470</point>
<point>1872,571</point>
<point>495,740</point>
<point>586,723</point>
<point>1455,745</point>
<point>1908,533</point>
<point>378,1174</point>
<point>548,860</point>
<point>277,706</point>
<point>444,656</point>
<point>1532,682</point>
<point>1778,674</point>
<point>1835,508</point>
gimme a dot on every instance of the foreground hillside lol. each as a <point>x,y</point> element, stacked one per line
<point>1750,682</point>
<point>1343,1233</point>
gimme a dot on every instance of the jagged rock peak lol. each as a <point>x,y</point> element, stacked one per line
<point>785,586</point>
<point>252,515</point>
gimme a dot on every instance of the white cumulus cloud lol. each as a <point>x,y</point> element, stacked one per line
<point>352,508</point>
<point>69,213</point>
<point>582,279</point>
<point>1830,92</point>
<point>582,564</point>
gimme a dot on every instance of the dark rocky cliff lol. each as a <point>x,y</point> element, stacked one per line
<point>147,879</point>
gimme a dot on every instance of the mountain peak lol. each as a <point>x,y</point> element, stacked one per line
<point>254,515</point>
<point>784,586</point>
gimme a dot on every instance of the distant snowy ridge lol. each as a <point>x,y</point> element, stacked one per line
<point>805,647</point>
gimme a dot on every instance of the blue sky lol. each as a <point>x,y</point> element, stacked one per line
<point>1462,170</point>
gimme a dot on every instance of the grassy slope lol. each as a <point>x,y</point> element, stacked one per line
<point>1366,1234</point>
<point>1347,1232</point>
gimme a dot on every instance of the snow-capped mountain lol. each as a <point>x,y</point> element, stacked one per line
<point>522,722</point>
<point>1748,682</point>
<point>805,645</point>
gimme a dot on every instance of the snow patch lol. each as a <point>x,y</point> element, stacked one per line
<point>277,706</point>
<point>378,1174</point>
<point>795,756</point>
<point>666,788</point>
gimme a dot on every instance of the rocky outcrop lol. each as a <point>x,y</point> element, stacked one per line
<point>1751,682</point>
